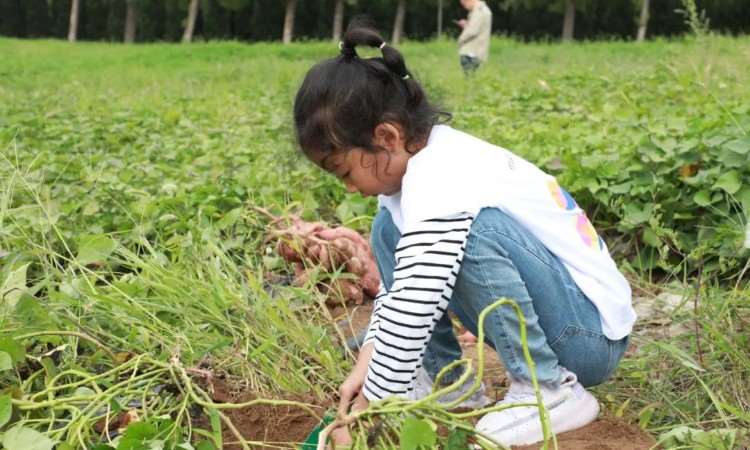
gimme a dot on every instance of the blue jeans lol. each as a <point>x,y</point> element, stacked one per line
<point>469,64</point>
<point>503,259</point>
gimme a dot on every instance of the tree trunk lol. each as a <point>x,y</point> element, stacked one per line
<point>338,20</point>
<point>130,22</point>
<point>440,19</point>
<point>398,24</point>
<point>255,20</point>
<point>569,22</point>
<point>187,36</point>
<point>75,6</point>
<point>291,6</point>
<point>643,23</point>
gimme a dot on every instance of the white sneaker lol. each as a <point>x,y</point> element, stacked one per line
<point>423,388</point>
<point>570,406</point>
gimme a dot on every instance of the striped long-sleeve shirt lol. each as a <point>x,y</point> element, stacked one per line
<point>428,257</point>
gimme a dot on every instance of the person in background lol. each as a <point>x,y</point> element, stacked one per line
<point>474,41</point>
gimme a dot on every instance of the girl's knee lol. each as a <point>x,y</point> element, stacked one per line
<point>588,354</point>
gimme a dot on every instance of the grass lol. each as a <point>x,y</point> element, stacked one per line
<point>129,176</point>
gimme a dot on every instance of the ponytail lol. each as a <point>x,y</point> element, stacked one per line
<point>365,36</point>
<point>343,99</point>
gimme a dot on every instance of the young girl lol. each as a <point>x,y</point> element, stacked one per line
<point>461,223</point>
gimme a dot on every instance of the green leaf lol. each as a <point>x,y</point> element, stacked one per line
<point>6,363</point>
<point>729,181</point>
<point>650,238</point>
<point>136,435</point>
<point>741,146</point>
<point>635,214</point>
<point>215,420</point>
<point>13,348</point>
<point>732,159</point>
<point>417,433</point>
<point>229,219</point>
<point>13,286</point>
<point>205,445</point>
<point>458,439</point>
<point>20,437</point>
<point>680,355</point>
<point>702,197</point>
<point>95,248</point>
<point>743,196</point>
<point>6,409</point>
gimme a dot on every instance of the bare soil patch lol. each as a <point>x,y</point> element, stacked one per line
<point>604,434</point>
<point>280,426</point>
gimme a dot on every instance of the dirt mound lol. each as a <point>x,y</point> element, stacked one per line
<point>280,426</point>
<point>604,434</point>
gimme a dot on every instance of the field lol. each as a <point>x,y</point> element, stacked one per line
<point>141,300</point>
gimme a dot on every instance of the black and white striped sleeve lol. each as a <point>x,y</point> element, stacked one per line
<point>428,258</point>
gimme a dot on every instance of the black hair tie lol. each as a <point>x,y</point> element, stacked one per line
<point>347,51</point>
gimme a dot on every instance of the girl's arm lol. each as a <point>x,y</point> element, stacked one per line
<point>428,257</point>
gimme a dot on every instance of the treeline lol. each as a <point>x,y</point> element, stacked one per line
<point>263,20</point>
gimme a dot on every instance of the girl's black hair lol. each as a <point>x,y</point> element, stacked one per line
<point>343,99</point>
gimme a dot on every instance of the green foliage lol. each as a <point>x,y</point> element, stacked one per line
<point>416,434</point>
<point>458,439</point>
<point>719,439</point>
<point>691,386</point>
<point>6,409</point>
<point>698,22</point>
<point>129,177</point>
<point>26,438</point>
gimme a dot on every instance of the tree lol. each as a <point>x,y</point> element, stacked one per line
<point>569,21</point>
<point>398,23</point>
<point>643,22</point>
<point>568,7</point>
<point>440,19</point>
<point>131,18</point>
<point>338,20</point>
<point>75,12</point>
<point>187,36</point>
<point>291,6</point>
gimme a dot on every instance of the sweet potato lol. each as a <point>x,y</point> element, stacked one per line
<point>311,244</point>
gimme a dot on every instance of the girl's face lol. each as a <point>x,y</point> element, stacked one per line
<point>369,173</point>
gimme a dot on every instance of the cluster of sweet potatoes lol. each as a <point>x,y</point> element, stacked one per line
<point>312,246</point>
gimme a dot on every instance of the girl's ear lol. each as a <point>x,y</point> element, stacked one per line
<point>389,136</point>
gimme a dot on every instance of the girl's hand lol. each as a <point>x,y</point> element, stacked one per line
<point>351,389</point>
<point>352,386</point>
<point>341,435</point>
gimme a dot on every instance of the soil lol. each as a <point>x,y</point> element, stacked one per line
<point>604,434</point>
<point>277,426</point>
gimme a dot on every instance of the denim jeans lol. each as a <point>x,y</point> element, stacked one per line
<point>469,64</point>
<point>503,259</point>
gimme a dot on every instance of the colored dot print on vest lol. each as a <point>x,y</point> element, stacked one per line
<point>588,233</point>
<point>562,198</point>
